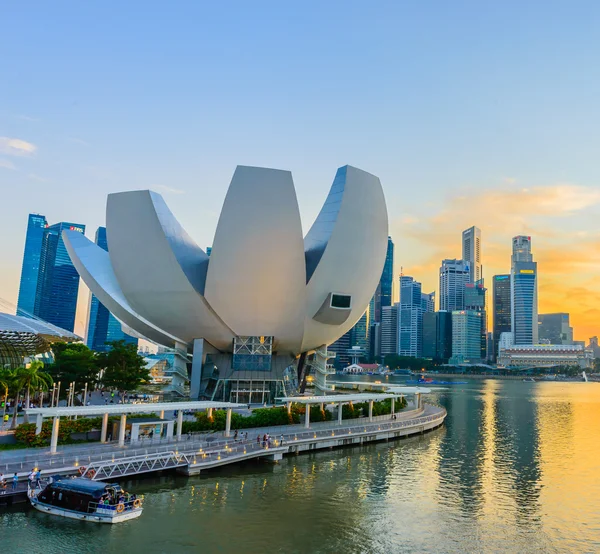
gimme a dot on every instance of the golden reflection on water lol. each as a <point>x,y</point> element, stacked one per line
<point>515,469</point>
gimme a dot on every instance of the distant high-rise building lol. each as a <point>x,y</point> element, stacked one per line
<point>524,305</point>
<point>357,336</point>
<point>36,225</point>
<point>411,318</point>
<point>471,248</point>
<point>360,331</point>
<point>386,282</point>
<point>437,335</point>
<point>475,300</point>
<point>389,329</point>
<point>103,327</point>
<point>555,329</point>
<point>502,309</point>
<point>454,275</point>
<point>58,281</point>
<point>521,250</point>
<point>466,337</point>
<point>428,302</point>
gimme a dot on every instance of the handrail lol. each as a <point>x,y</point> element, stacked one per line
<point>223,446</point>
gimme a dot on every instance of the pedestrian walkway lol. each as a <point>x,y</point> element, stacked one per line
<point>76,456</point>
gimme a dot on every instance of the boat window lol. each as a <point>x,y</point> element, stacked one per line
<point>60,495</point>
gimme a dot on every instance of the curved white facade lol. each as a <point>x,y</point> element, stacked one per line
<point>262,278</point>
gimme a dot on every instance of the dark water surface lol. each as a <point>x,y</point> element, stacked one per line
<point>515,469</point>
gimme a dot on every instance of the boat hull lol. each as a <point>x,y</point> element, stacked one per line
<point>94,517</point>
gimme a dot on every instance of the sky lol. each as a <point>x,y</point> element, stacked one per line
<point>470,113</point>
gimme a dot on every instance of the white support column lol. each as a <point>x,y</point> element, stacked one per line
<point>161,414</point>
<point>122,429</point>
<point>228,423</point>
<point>38,424</point>
<point>370,410</point>
<point>340,413</point>
<point>54,439</point>
<point>393,406</point>
<point>104,431</point>
<point>209,413</point>
<point>289,407</point>
<point>179,423</point>
<point>322,406</point>
<point>307,417</point>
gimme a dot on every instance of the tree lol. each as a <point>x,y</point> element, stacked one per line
<point>32,378</point>
<point>394,361</point>
<point>6,379</point>
<point>124,369</point>
<point>73,362</point>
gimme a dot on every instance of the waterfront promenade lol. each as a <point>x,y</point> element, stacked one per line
<point>193,453</point>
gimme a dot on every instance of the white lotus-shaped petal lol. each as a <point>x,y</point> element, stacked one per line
<point>261,279</point>
<point>256,278</point>
<point>93,265</point>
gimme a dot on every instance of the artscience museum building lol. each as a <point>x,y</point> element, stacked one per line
<point>250,322</point>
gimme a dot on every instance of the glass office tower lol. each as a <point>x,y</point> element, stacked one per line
<point>502,308</point>
<point>36,225</point>
<point>103,327</point>
<point>58,280</point>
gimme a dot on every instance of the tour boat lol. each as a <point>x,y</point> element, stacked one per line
<point>87,500</point>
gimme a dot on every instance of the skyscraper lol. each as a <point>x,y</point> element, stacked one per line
<point>521,250</point>
<point>36,224</point>
<point>428,301</point>
<point>466,337</point>
<point>411,318</point>
<point>523,284</point>
<point>58,281</point>
<point>437,335</point>
<point>454,275</point>
<point>387,277</point>
<point>471,253</point>
<point>357,336</point>
<point>502,308</point>
<point>475,300</point>
<point>389,329</point>
<point>103,327</point>
<point>555,329</point>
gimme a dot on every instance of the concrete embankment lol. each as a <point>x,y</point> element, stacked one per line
<point>193,456</point>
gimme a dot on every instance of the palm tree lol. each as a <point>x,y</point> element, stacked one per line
<point>32,378</point>
<point>6,379</point>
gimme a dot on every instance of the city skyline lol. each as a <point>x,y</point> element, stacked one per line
<point>458,136</point>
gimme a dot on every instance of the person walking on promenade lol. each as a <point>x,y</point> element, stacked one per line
<point>38,477</point>
<point>235,435</point>
<point>15,481</point>
<point>31,477</point>
<point>2,483</point>
<point>258,440</point>
<point>281,440</point>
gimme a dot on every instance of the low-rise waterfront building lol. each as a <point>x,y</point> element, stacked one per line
<point>545,355</point>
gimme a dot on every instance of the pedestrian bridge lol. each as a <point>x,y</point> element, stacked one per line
<point>192,461</point>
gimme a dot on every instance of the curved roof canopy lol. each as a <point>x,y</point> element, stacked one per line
<point>21,336</point>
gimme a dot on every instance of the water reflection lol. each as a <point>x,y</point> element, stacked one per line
<point>515,469</point>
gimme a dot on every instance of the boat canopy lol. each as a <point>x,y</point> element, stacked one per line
<point>83,486</point>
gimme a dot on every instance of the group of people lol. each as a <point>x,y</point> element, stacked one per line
<point>266,440</point>
<point>34,478</point>
<point>110,499</point>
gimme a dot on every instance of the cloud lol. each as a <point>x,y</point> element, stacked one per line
<point>38,178</point>
<point>16,147</point>
<point>171,190</point>
<point>7,164</point>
